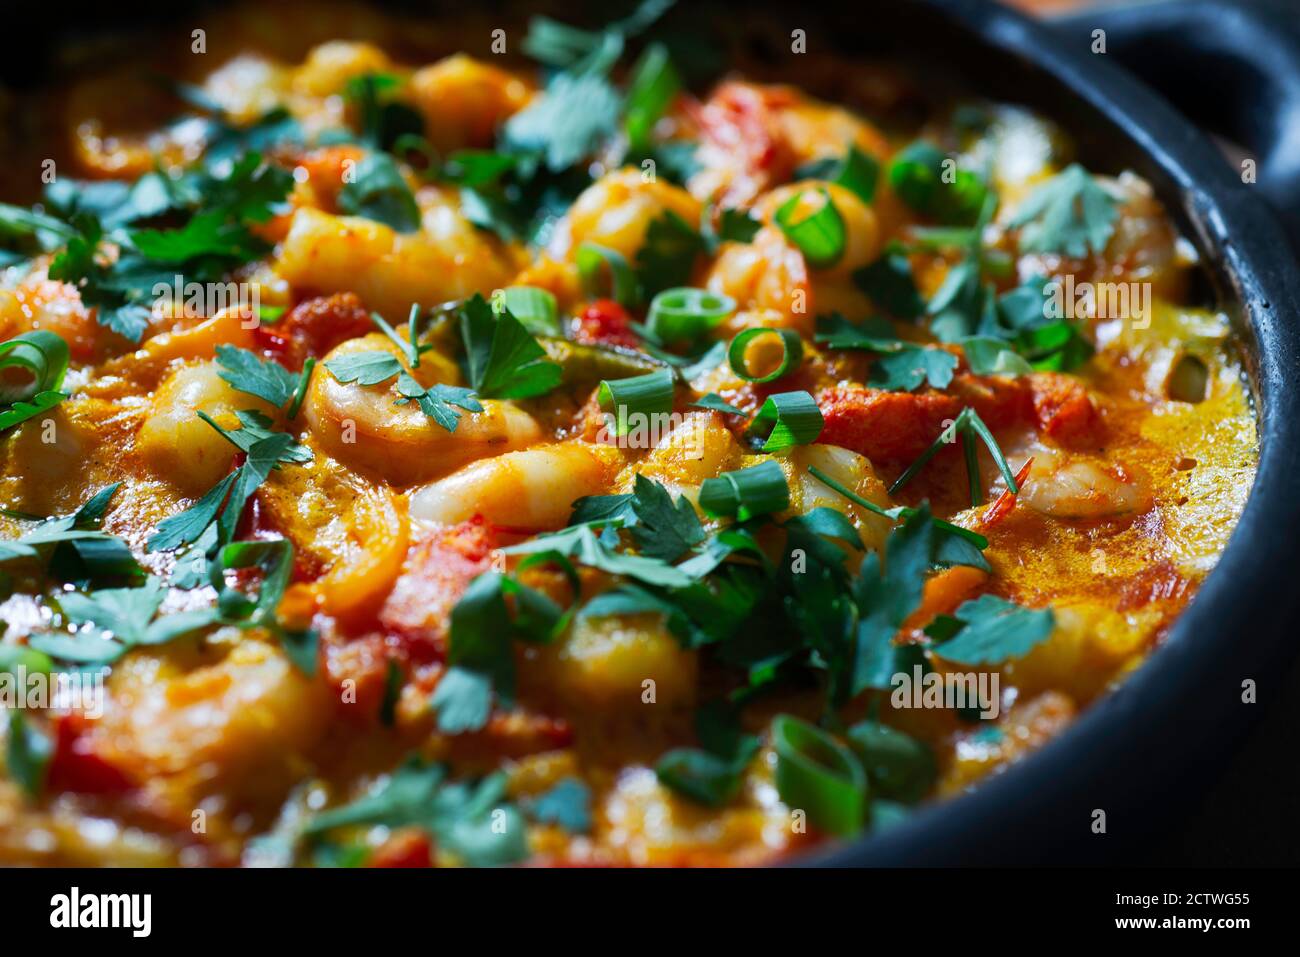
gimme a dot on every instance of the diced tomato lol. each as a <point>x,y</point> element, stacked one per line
<point>314,327</point>
<point>740,126</point>
<point>1064,410</point>
<point>899,426</point>
<point>75,765</point>
<point>438,569</point>
<point>409,847</point>
<point>605,323</point>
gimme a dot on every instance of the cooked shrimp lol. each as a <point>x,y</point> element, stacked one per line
<point>364,426</point>
<point>176,444</point>
<point>699,448</point>
<point>617,209</point>
<point>533,489</point>
<point>768,273</point>
<point>1068,485</point>
<point>447,259</point>
<point>464,101</point>
<point>849,469</point>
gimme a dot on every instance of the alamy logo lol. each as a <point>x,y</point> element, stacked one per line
<point>932,689</point>
<point>74,691</point>
<point>1129,301</point>
<point>133,911</point>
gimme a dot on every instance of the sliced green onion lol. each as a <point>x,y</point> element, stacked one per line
<point>788,419</point>
<point>654,84</point>
<point>818,775</point>
<point>791,353</point>
<point>40,354</point>
<point>40,359</point>
<point>686,314</point>
<point>645,395</point>
<point>535,308</point>
<point>758,490</point>
<point>856,171</point>
<point>591,259</point>
<point>819,236</point>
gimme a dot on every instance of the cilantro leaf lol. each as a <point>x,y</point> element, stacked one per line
<point>365,368</point>
<point>567,804</point>
<point>378,191</point>
<point>503,360</point>
<point>908,369</point>
<point>990,630</point>
<point>1070,214</point>
<point>250,373</point>
<point>459,815</point>
<point>436,401</point>
<point>664,529</point>
<point>568,122</point>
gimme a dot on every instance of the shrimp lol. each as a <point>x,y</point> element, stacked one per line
<point>1069,485</point>
<point>464,101</point>
<point>447,259</point>
<point>329,66</point>
<point>699,448</point>
<point>601,665</point>
<point>191,728</point>
<point>754,136</point>
<point>532,490</point>
<point>364,426</point>
<point>767,275</point>
<point>616,211</point>
<point>851,470</point>
<point>56,306</point>
<point>180,447</point>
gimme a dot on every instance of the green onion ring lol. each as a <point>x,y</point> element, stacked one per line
<point>819,236</point>
<point>758,490</point>
<point>791,344</point>
<point>685,313</point>
<point>648,395</point>
<point>820,776</point>
<point>788,419</point>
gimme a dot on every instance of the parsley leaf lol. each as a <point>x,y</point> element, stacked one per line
<point>437,401</point>
<point>908,369</point>
<point>568,122</point>
<point>365,368</point>
<point>503,360</point>
<point>1070,214</point>
<point>989,630</point>
<point>567,804</point>
<point>250,373</point>
<point>378,191</point>
<point>459,815</point>
<point>224,502</point>
<point>664,529</point>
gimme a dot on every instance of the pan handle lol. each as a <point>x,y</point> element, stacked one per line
<point>1231,66</point>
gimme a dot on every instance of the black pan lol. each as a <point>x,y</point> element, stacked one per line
<point>1136,752</point>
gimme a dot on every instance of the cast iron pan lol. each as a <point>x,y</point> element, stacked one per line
<point>1139,752</point>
